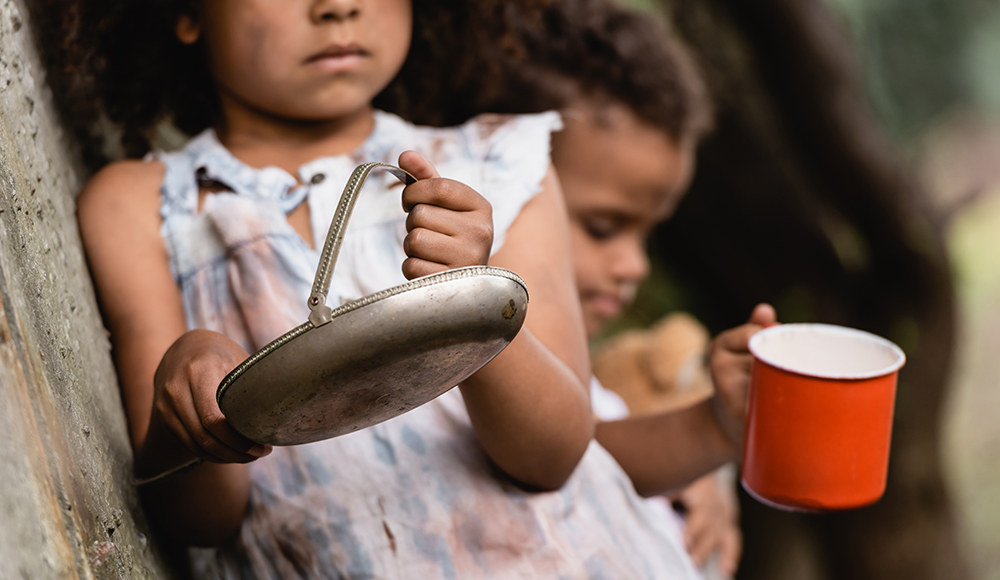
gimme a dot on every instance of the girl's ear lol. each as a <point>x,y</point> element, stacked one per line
<point>188,30</point>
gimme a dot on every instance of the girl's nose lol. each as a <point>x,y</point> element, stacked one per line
<point>335,10</point>
<point>631,264</point>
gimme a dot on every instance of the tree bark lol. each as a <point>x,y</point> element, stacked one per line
<point>799,201</point>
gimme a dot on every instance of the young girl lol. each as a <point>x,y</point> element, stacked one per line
<point>613,206</point>
<point>634,109</point>
<point>204,254</point>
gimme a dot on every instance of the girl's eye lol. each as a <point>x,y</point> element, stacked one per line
<point>601,229</point>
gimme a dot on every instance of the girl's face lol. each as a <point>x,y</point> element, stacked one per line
<point>620,178</point>
<point>302,60</point>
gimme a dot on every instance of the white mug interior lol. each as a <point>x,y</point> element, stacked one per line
<point>826,351</point>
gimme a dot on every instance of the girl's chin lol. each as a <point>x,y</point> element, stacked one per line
<point>596,320</point>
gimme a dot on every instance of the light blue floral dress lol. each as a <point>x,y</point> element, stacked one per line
<point>413,497</point>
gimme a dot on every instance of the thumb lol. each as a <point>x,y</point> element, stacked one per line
<point>764,315</point>
<point>415,164</point>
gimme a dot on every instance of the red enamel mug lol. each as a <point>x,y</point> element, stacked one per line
<point>819,416</point>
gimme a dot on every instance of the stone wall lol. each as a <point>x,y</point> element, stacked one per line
<point>67,506</point>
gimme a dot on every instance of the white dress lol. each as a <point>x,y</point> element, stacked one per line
<point>416,496</point>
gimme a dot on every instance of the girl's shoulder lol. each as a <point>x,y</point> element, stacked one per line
<point>121,186</point>
<point>489,124</point>
<point>492,133</point>
<point>120,204</point>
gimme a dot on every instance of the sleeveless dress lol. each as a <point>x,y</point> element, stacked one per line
<point>416,496</point>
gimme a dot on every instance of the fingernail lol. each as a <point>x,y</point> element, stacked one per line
<point>259,450</point>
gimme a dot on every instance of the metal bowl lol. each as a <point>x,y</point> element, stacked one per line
<point>376,358</point>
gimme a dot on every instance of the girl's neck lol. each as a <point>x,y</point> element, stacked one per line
<point>260,140</point>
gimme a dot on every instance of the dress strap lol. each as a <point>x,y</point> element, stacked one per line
<point>204,160</point>
<point>179,190</point>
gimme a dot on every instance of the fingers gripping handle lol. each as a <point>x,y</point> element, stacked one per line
<point>319,312</point>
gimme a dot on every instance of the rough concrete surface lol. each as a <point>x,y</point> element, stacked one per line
<point>67,506</point>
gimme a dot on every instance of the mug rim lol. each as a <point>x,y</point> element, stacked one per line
<point>836,329</point>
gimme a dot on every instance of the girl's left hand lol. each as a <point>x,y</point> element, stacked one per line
<point>711,525</point>
<point>730,362</point>
<point>449,224</point>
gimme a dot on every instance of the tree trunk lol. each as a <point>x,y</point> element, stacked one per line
<point>799,201</point>
<point>68,506</point>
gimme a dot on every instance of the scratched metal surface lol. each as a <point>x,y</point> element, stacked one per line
<point>376,361</point>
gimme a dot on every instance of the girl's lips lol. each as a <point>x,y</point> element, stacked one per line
<point>337,58</point>
<point>605,306</point>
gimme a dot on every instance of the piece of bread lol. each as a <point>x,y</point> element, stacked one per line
<point>659,369</point>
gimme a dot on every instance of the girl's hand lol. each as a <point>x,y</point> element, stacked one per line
<point>711,525</point>
<point>730,361</point>
<point>184,400</point>
<point>449,224</point>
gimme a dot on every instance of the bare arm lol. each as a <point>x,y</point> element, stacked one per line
<point>530,406</point>
<point>118,212</point>
<point>664,452</point>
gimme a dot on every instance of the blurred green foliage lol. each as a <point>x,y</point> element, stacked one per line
<point>918,61</point>
<point>921,59</point>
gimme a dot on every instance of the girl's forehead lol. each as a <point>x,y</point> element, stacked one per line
<point>619,162</point>
<point>611,130</point>
<point>621,205</point>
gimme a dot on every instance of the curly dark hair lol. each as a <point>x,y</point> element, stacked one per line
<point>552,55</point>
<point>119,62</point>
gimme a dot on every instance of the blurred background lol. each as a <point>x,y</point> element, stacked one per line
<point>856,170</point>
<point>931,72</point>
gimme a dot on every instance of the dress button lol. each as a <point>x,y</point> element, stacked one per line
<point>317,179</point>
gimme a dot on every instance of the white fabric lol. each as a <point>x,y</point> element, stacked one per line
<point>608,405</point>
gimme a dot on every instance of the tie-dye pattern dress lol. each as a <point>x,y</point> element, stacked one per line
<point>413,497</point>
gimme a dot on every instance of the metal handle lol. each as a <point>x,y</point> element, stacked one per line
<point>319,312</point>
